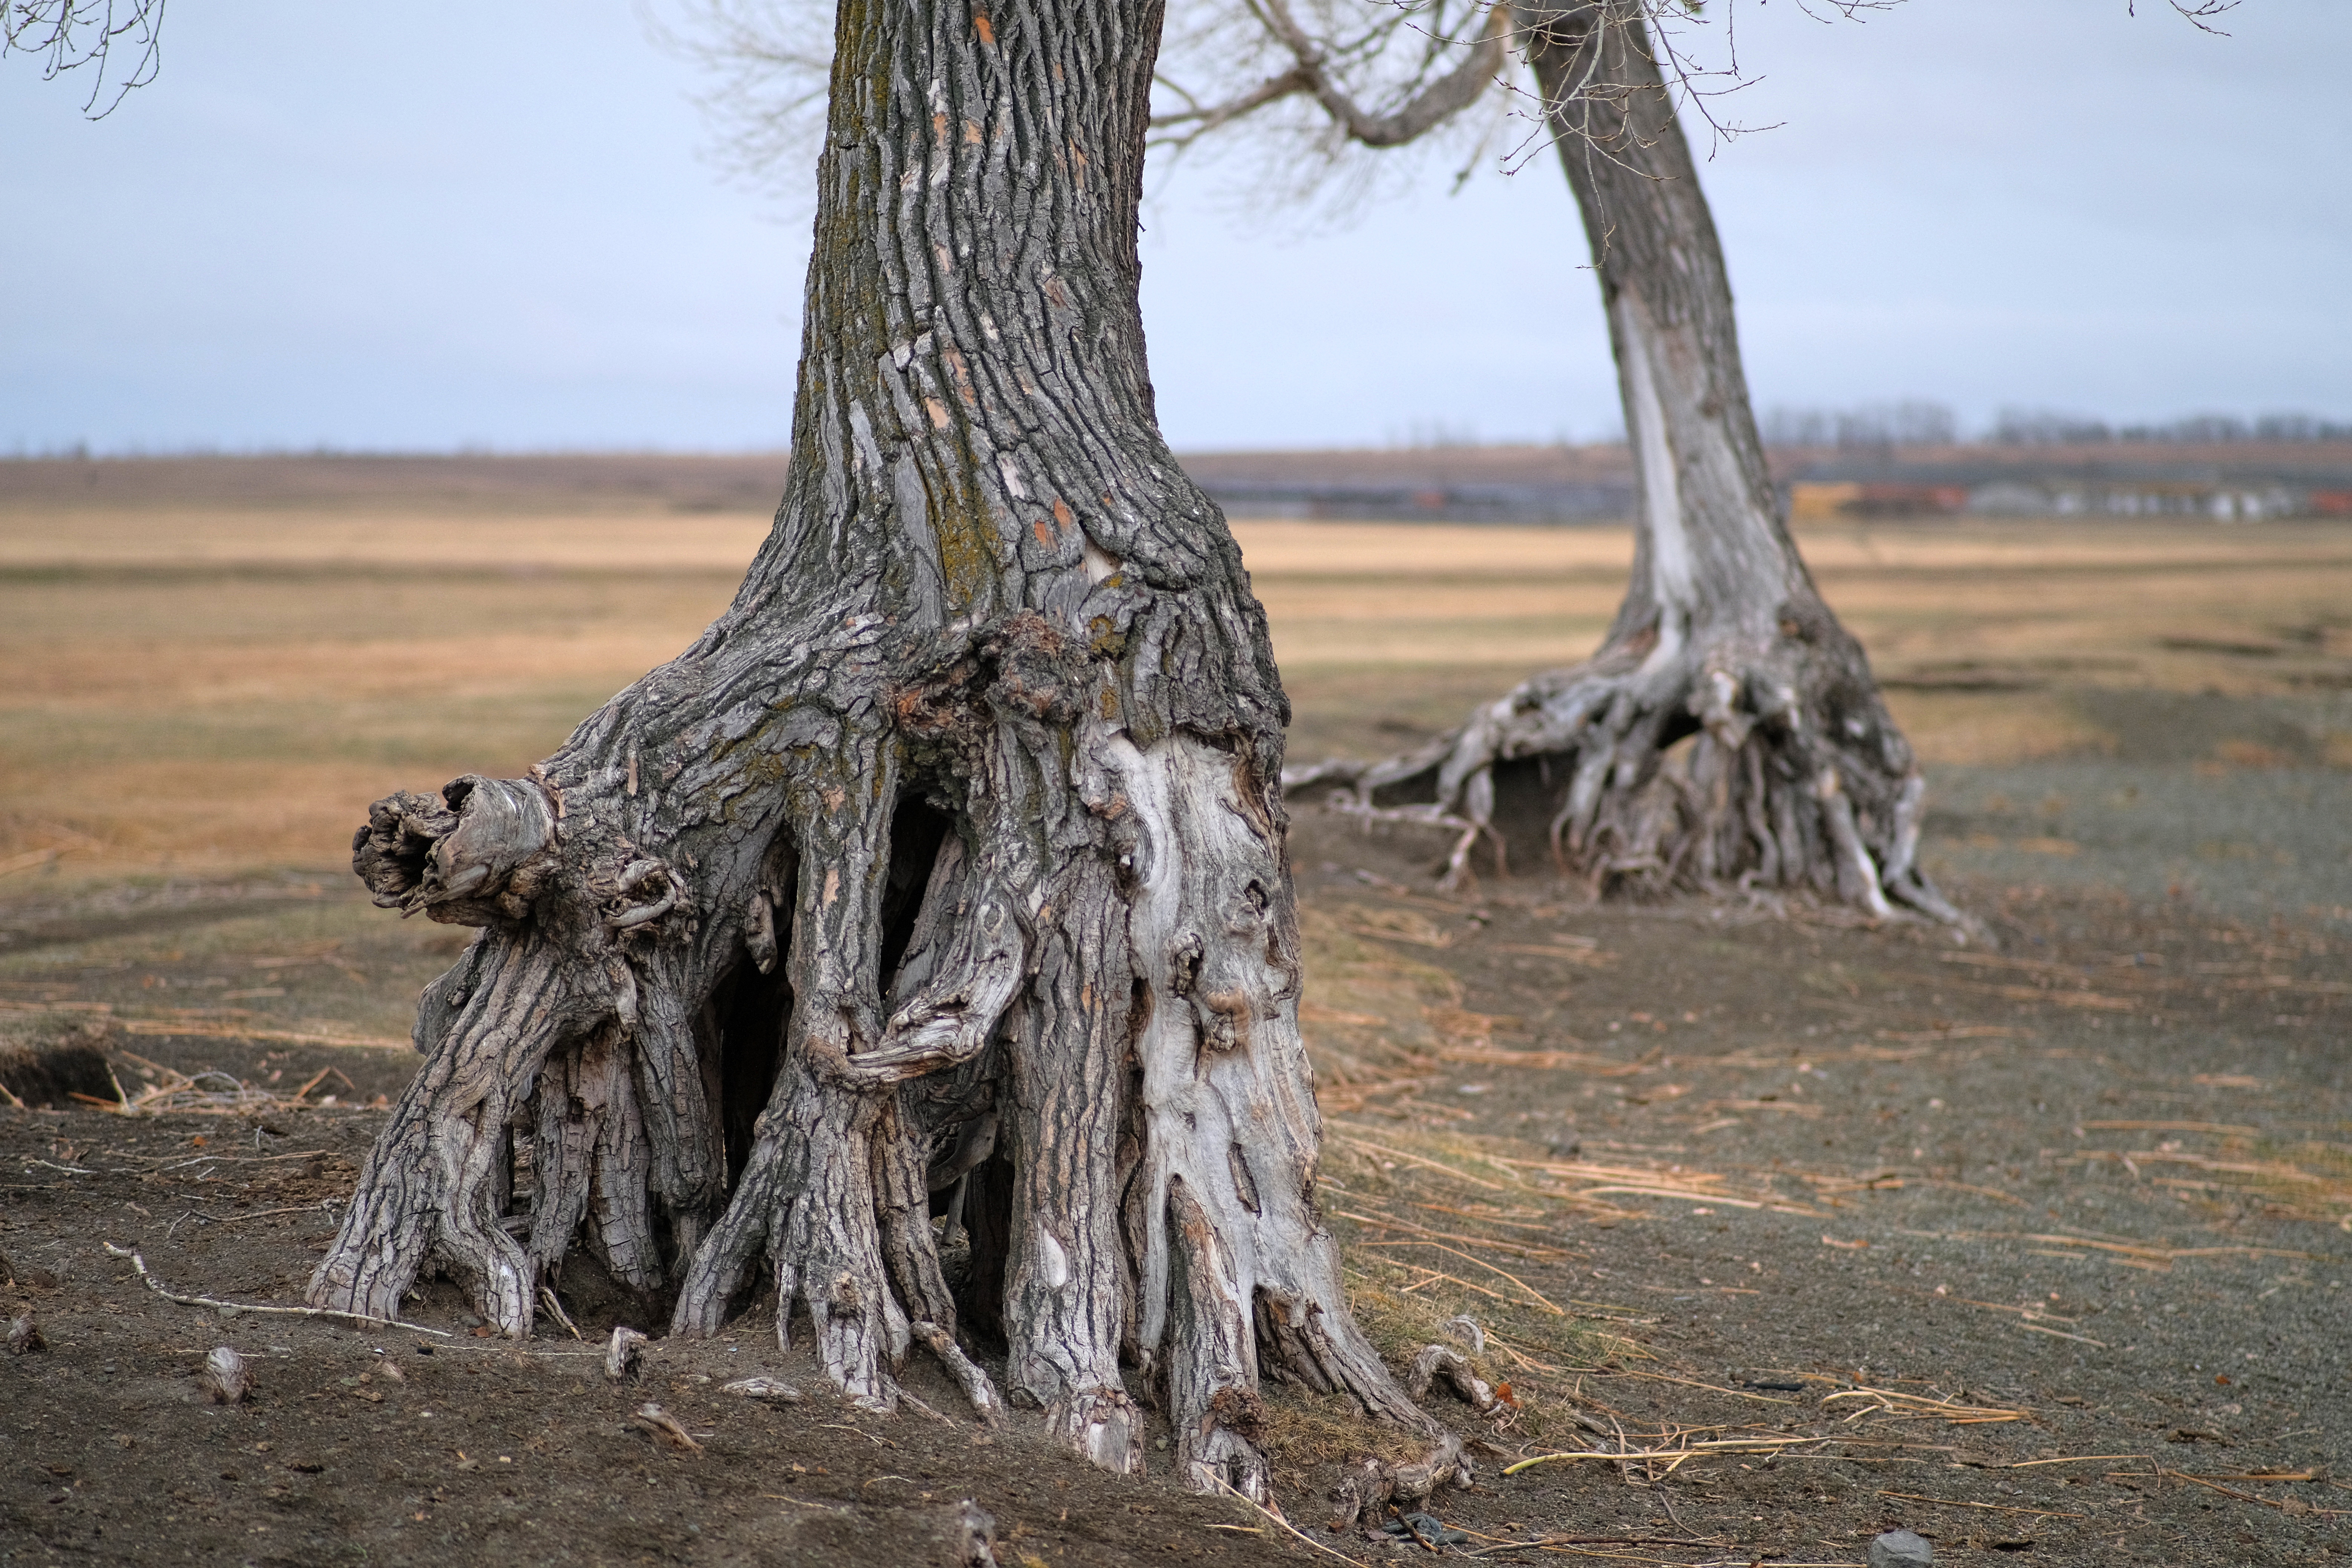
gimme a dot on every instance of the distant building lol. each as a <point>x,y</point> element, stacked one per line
<point>2243,483</point>
<point>2222,502</point>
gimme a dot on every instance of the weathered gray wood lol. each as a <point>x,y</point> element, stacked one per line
<point>992,600</point>
<point>1797,776</point>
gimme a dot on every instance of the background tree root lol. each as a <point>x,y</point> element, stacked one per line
<point>1663,766</point>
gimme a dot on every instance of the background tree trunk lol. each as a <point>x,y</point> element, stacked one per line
<point>945,870</point>
<point>1795,775</point>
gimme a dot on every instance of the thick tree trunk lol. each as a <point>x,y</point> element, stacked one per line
<point>956,843</point>
<point>1796,775</point>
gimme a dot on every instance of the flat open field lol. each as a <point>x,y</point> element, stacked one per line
<point>222,686</point>
<point>2042,1251</point>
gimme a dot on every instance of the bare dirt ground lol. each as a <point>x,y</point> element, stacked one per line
<point>1785,1231</point>
<point>2041,1251</point>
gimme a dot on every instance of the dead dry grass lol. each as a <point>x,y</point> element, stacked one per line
<point>1983,629</point>
<point>401,536</point>
<point>194,688</point>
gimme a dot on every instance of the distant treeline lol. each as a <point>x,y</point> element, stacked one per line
<point>1924,424</point>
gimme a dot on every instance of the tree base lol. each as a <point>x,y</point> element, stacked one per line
<point>1650,772</point>
<point>1091,1060</point>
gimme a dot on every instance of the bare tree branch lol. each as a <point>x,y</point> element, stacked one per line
<point>69,34</point>
<point>2199,14</point>
<point>772,61</point>
<point>1189,123</point>
<point>1437,102</point>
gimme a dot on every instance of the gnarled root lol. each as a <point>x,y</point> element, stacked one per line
<point>835,1191</point>
<point>1234,1271</point>
<point>433,1190</point>
<point>1079,981</point>
<point>841,1244</point>
<point>1794,776</point>
<point>558,1030</point>
<point>1440,1362</point>
<point>1377,1484</point>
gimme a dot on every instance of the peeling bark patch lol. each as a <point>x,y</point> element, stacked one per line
<point>1244,1188</point>
<point>1054,1261</point>
<point>1229,1012</point>
<point>1238,1410</point>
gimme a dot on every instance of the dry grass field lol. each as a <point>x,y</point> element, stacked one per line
<point>219,686</point>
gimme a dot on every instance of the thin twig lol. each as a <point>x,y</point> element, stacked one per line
<point>1686,1383</point>
<point>1289,1527</point>
<point>555,1309</point>
<point>1423,1160</point>
<point>156,1285</point>
<point>869,1436</point>
<point>1991,1507</point>
<point>1723,1446</point>
<point>942,1420</point>
<point>2250,1496</point>
<point>1590,1540</point>
<point>1540,1300</point>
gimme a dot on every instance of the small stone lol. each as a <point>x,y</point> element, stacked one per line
<point>975,1536</point>
<point>1427,1530</point>
<point>1900,1549</point>
<point>770,1388</point>
<point>225,1377</point>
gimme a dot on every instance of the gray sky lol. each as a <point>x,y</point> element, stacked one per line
<point>433,225</point>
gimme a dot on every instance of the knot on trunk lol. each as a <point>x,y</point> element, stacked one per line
<point>475,857</point>
<point>1808,620</point>
<point>1034,672</point>
<point>645,892</point>
<point>1239,1410</point>
<point>1019,666</point>
<point>1224,1019</point>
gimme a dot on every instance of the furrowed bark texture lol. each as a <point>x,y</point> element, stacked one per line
<point>945,870</point>
<point>1796,776</point>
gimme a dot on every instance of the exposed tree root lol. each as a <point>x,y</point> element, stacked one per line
<point>1377,1485</point>
<point>1665,765</point>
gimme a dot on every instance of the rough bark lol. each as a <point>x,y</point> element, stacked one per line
<point>945,868</point>
<point>1795,775</point>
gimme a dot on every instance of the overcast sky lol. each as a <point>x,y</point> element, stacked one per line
<point>434,225</point>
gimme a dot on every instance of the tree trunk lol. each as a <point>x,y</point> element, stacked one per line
<point>956,843</point>
<point>1795,775</point>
